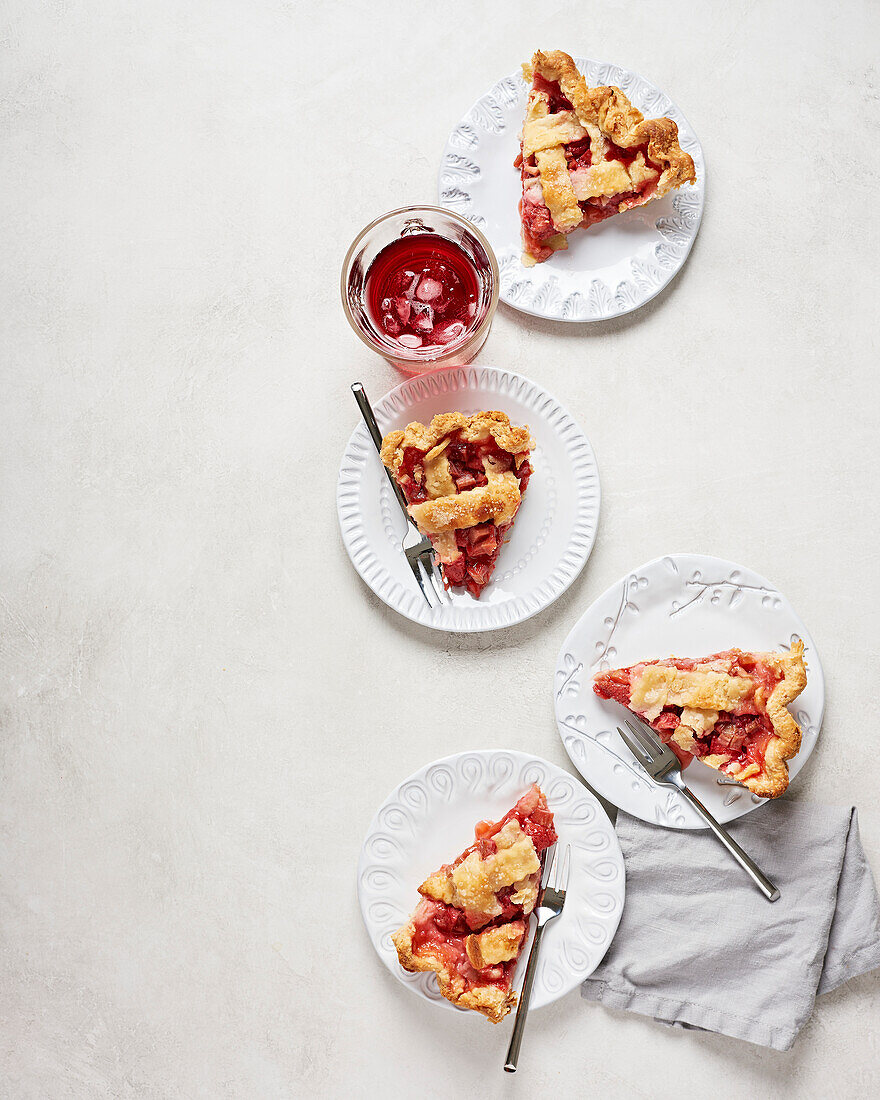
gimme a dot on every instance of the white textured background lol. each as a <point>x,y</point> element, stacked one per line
<point>201,703</point>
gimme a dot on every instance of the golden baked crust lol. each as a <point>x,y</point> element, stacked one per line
<point>495,945</point>
<point>497,501</point>
<point>427,436</point>
<point>611,111</point>
<point>707,689</point>
<point>603,114</point>
<point>787,743</point>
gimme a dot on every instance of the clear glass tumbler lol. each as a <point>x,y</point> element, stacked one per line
<point>463,249</point>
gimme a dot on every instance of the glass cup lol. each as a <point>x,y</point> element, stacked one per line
<point>405,222</point>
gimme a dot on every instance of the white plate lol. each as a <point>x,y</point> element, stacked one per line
<point>430,818</point>
<point>689,605</point>
<point>555,527</point>
<point>610,269</point>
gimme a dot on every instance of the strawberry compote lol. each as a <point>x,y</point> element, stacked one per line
<point>423,291</point>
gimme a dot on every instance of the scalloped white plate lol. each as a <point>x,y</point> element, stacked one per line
<point>689,605</point>
<point>430,818</point>
<point>554,529</point>
<point>611,268</point>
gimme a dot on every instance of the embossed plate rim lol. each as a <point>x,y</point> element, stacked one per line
<point>612,771</point>
<point>554,531</point>
<point>490,796</point>
<point>674,220</point>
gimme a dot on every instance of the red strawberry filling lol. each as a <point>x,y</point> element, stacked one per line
<point>478,546</point>
<point>534,819</point>
<point>579,154</point>
<point>537,226</point>
<point>551,89</point>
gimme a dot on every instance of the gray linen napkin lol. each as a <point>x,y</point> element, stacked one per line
<point>699,947</point>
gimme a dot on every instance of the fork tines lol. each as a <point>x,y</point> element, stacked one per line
<point>556,879</point>
<point>655,757</point>
<point>433,577</point>
<point>651,747</point>
<point>420,558</point>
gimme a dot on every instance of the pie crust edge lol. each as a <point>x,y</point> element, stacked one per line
<point>490,1000</point>
<point>774,779</point>
<point>611,110</point>
<point>424,437</point>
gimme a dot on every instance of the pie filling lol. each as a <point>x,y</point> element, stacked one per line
<point>467,554</point>
<point>733,740</point>
<point>440,931</point>
<point>471,922</point>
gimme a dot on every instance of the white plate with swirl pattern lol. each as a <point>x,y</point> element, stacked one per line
<point>687,605</point>
<point>555,527</point>
<point>430,818</point>
<point>608,270</point>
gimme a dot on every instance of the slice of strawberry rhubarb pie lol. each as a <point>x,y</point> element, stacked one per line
<point>464,477</point>
<point>727,710</point>
<point>587,154</point>
<point>470,926</point>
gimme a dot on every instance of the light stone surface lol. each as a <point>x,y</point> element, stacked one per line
<point>202,705</point>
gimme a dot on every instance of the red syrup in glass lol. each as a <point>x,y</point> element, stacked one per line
<point>423,291</point>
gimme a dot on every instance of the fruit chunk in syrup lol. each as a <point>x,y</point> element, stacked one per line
<point>423,291</point>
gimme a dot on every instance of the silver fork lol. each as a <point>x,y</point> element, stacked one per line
<point>549,907</point>
<point>416,547</point>
<point>661,763</point>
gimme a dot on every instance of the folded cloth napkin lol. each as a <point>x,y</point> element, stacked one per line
<point>698,946</point>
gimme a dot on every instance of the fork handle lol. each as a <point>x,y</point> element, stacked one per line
<point>745,861</point>
<point>524,998</point>
<point>366,408</point>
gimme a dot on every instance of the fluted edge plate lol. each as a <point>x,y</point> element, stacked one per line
<point>554,530</point>
<point>430,817</point>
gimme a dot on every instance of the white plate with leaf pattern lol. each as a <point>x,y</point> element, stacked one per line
<point>427,820</point>
<point>555,527</point>
<point>687,605</point>
<point>608,270</point>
